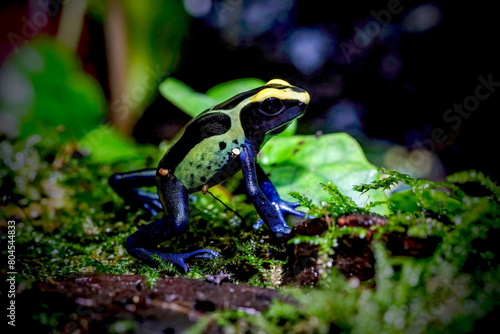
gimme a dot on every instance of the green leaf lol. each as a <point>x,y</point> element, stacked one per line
<point>185,98</point>
<point>226,90</point>
<point>302,163</point>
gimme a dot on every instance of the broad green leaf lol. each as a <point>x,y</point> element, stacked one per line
<point>226,90</point>
<point>184,97</point>
<point>302,163</point>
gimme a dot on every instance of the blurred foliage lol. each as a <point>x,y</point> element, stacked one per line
<point>154,31</point>
<point>44,87</point>
<point>184,98</point>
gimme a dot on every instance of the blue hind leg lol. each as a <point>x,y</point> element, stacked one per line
<point>141,244</point>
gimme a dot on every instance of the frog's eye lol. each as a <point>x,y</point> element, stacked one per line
<point>271,106</point>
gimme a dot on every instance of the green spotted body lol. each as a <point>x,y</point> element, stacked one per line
<point>210,157</point>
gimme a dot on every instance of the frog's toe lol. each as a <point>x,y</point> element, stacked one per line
<point>291,204</point>
<point>284,208</point>
<point>288,208</point>
<point>153,208</point>
<point>258,224</point>
<point>203,254</point>
<point>281,231</point>
<point>297,213</point>
<point>179,259</point>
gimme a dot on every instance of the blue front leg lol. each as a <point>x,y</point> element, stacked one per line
<point>283,207</point>
<point>271,214</point>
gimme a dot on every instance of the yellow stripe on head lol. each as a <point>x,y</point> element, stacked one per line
<point>277,82</point>
<point>283,93</point>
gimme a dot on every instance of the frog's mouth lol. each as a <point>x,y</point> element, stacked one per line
<point>303,107</point>
<point>285,125</point>
<point>280,128</point>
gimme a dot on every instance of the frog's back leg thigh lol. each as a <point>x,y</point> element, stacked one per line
<point>126,184</point>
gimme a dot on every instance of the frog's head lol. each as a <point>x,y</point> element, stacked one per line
<point>271,109</point>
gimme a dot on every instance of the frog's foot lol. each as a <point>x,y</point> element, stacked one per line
<point>179,259</point>
<point>127,186</point>
<point>285,208</point>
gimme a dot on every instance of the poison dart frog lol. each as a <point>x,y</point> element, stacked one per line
<point>214,146</point>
